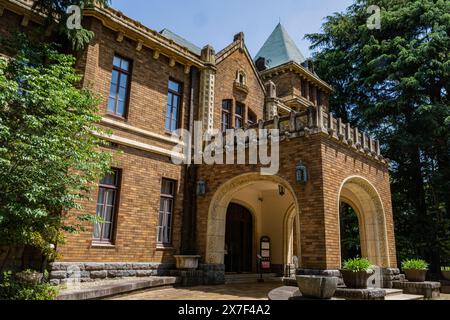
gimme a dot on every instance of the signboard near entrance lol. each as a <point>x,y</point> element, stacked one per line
<point>265,253</point>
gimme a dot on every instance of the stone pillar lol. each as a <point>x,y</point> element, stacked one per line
<point>207,86</point>
<point>271,101</point>
<point>213,274</point>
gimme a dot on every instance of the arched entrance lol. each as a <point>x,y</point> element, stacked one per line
<point>274,208</point>
<point>238,239</point>
<point>363,198</point>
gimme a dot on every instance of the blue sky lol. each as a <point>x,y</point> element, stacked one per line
<point>215,22</point>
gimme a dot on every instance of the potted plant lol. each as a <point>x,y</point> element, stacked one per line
<point>356,272</point>
<point>446,273</point>
<point>415,270</point>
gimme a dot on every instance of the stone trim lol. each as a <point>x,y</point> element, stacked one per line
<point>62,272</point>
<point>121,125</point>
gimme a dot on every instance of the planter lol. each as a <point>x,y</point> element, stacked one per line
<point>187,262</point>
<point>446,275</point>
<point>356,280</point>
<point>414,275</point>
<point>317,287</point>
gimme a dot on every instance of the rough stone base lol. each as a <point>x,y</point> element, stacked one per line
<point>322,273</point>
<point>214,274</point>
<point>63,272</point>
<point>360,294</point>
<point>190,278</point>
<point>445,286</point>
<point>430,290</point>
<point>389,275</point>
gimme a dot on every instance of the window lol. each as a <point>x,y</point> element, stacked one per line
<point>311,92</point>
<point>164,232</point>
<point>241,78</point>
<point>118,92</point>
<point>239,116</point>
<point>173,106</point>
<point>107,201</point>
<point>303,88</point>
<point>319,97</point>
<point>226,114</point>
<point>252,119</point>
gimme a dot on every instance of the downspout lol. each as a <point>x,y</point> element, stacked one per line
<point>188,237</point>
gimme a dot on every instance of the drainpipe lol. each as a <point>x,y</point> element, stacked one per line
<point>188,236</point>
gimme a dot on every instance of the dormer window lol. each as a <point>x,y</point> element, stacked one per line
<point>241,78</point>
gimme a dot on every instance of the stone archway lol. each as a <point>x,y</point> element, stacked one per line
<point>362,196</point>
<point>215,245</point>
<point>291,236</point>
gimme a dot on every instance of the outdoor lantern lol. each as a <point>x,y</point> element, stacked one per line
<point>301,173</point>
<point>281,190</point>
<point>201,188</point>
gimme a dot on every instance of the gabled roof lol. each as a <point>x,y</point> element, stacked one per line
<point>279,49</point>
<point>181,41</point>
<point>239,44</point>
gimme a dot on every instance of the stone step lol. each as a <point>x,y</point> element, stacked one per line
<point>393,292</point>
<point>403,297</point>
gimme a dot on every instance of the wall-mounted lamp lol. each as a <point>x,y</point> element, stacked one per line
<point>201,188</point>
<point>281,190</point>
<point>301,173</point>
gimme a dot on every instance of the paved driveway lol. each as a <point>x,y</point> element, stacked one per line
<point>249,291</point>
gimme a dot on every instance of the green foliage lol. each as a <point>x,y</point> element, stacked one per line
<point>49,158</point>
<point>350,238</point>
<point>395,84</point>
<point>445,268</point>
<point>11,289</point>
<point>414,264</point>
<point>56,10</point>
<point>357,264</point>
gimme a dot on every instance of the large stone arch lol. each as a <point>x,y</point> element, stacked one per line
<point>363,197</point>
<point>215,240</point>
<point>289,228</point>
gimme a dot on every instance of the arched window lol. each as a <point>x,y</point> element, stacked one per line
<point>241,78</point>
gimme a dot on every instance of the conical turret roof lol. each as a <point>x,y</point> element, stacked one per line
<point>279,49</point>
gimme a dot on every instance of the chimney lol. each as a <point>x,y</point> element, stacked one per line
<point>261,64</point>
<point>239,37</point>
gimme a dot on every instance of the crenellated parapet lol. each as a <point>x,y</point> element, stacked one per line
<point>316,121</point>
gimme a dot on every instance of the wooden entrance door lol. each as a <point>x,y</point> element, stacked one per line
<point>239,239</point>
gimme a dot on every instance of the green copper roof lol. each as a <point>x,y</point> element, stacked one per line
<point>181,41</point>
<point>280,49</point>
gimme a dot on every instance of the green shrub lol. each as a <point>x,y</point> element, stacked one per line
<point>445,268</point>
<point>10,289</point>
<point>357,264</point>
<point>414,264</point>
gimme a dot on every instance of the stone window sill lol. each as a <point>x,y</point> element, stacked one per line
<point>164,248</point>
<point>97,245</point>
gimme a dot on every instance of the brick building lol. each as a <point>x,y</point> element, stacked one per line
<point>153,83</point>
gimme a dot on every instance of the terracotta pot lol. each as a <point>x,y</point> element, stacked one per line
<point>356,280</point>
<point>446,275</point>
<point>414,275</point>
<point>317,287</point>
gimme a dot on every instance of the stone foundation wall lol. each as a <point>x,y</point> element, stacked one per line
<point>61,272</point>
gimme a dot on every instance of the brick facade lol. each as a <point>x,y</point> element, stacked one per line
<point>144,147</point>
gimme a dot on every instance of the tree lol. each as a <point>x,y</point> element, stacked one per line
<point>57,11</point>
<point>395,83</point>
<point>49,157</point>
